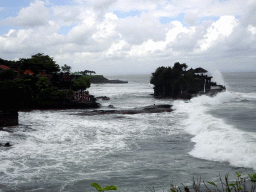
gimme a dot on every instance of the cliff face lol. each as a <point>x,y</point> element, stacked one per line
<point>9,102</point>
<point>8,118</point>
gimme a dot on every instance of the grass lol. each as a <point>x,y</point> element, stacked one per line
<point>239,185</point>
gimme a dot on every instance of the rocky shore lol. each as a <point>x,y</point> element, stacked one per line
<point>102,79</point>
<point>147,109</point>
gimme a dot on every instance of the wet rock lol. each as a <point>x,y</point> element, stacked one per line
<point>147,109</point>
<point>103,98</point>
<point>7,144</point>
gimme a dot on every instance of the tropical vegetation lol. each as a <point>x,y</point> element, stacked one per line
<point>175,81</point>
<point>39,79</point>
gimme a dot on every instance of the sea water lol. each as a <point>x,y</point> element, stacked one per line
<point>58,150</point>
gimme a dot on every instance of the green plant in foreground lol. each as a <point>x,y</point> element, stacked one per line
<point>107,188</point>
<point>226,186</point>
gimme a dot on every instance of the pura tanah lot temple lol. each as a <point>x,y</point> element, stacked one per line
<point>208,87</point>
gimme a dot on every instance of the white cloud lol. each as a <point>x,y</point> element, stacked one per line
<point>136,30</point>
<point>220,29</point>
<point>34,15</point>
<point>106,29</point>
<point>252,29</point>
<point>120,49</point>
<point>98,40</point>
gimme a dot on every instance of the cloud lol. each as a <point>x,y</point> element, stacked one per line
<point>34,15</point>
<point>218,30</point>
<point>191,18</point>
<point>136,30</point>
<point>68,14</point>
<point>250,15</point>
<point>100,7</point>
<point>96,39</point>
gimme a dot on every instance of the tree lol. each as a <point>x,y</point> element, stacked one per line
<point>85,72</point>
<point>66,68</point>
<point>39,62</point>
<point>8,74</point>
<point>173,81</point>
<point>82,82</point>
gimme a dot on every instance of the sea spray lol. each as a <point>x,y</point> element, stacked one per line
<point>218,78</point>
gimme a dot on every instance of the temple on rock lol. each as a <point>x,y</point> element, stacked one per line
<point>177,82</point>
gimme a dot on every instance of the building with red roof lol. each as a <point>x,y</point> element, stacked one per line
<point>3,67</point>
<point>28,72</point>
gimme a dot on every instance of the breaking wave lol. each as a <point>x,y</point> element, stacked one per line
<point>215,139</point>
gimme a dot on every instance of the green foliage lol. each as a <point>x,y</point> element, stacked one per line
<point>34,90</point>
<point>82,82</point>
<point>170,81</point>
<point>8,74</point>
<point>101,189</point>
<point>66,68</point>
<point>96,76</point>
<point>42,83</point>
<point>239,185</point>
<point>51,93</point>
<point>86,72</point>
<point>70,93</point>
<point>38,63</point>
<point>253,177</point>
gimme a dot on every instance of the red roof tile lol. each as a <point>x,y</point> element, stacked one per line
<point>28,71</point>
<point>4,67</point>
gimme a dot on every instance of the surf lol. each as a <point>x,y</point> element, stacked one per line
<point>213,138</point>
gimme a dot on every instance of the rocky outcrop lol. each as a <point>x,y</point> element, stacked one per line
<point>101,79</point>
<point>147,109</point>
<point>6,145</point>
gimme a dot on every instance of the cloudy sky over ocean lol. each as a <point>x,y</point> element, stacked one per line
<point>131,36</point>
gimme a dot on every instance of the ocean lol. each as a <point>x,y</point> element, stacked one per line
<point>206,137</point>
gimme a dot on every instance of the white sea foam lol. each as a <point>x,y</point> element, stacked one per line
<point>215,139</point>
<point>246,95</point>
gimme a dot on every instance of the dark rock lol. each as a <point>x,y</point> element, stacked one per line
<point>105,80</point>
<point>103,98</point>
<point>7,144</point>
<point>147,109</point>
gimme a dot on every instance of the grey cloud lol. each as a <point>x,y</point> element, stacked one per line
<point>191,18</point>
<point>250,15</point>
<point>68,14</point>
<point>136,30</point>
<point>101,7</point>
<point>187,42</point>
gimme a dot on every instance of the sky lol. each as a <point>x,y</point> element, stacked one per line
<point>132,36</point>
